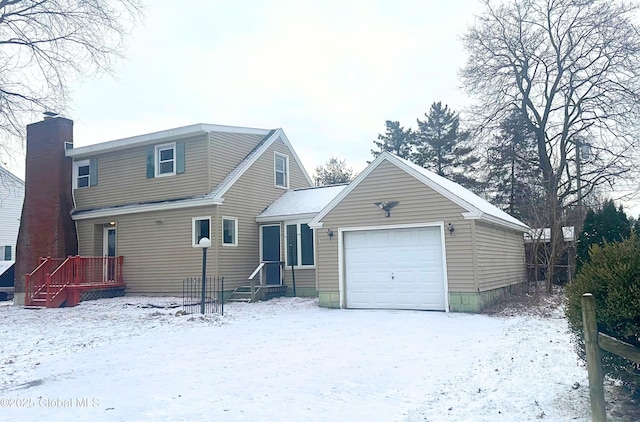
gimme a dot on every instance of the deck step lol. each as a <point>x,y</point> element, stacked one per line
<point>238,299</point>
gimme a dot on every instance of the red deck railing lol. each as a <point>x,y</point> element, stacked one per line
<point>35,282</point>
<point>57,280</point>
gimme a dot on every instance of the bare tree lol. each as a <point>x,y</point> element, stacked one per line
<point>572,67</point>
<point>47,44</point>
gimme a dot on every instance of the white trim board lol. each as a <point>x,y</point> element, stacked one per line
<point>478,209</point>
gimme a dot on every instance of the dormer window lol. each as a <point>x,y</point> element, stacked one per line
<point>85,173</point>
<point>165,159</point>
<point>281,172</point>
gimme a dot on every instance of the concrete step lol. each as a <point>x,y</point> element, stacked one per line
<point>243,300</point>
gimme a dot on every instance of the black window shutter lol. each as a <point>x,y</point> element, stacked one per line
<point>179,157</point>
<point>150,162</point>
<point>93,171</point>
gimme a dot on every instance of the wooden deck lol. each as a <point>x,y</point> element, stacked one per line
<point>60,282</point>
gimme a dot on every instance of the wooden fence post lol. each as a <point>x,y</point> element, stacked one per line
<point>594,361</point>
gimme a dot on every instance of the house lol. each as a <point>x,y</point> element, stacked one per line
<point>7,275</point>
<point>11,198</point>
<point>151,198</point>
<point>398,236</point>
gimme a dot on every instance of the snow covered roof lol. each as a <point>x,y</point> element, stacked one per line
<point>476,207</point>
<point>7,177</point>
<point>5,265</point>
<point>300,203</point>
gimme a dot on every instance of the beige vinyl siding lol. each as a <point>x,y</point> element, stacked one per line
<point>86,246</point>
<point>156,247</point>
<point>305,277</point>
<point>122,177</point>
<point>500,254</point>
<point>249,196</point>
<point>226,151</point>
<point>417,204</point>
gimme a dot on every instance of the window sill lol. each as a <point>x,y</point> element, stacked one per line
<point>164,175</point>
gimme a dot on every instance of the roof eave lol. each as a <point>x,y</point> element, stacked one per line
<point>495,220</point>
<point>115,211</point>
<point>285,217</point>
<point>161,136</point>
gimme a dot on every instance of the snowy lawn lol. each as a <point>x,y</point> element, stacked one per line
<point>284,360</point>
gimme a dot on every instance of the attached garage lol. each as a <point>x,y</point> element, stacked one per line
<point>402,237</point>
<point>395,268</point>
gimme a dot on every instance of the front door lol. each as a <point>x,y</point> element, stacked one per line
<point>109,250</point>
<point>271,254</point>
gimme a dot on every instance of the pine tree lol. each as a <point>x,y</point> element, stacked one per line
<point>441,146</point>
<point>514,180</point>
<point>605,224</point>
<point>333,172</point>
<point>396,140</point>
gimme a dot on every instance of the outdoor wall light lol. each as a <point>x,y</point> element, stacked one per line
<point>386,206</point>
<point>112,223</point>
<point>451,228</point>
<point>330,233</point>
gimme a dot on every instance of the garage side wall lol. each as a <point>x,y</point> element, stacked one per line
<point>417,204</point>
<point>500,266</point>
<point>501,260</point>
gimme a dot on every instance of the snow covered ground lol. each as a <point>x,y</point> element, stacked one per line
<point>284,360</point>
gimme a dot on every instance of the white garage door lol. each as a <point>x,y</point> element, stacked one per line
<point>395,269</point>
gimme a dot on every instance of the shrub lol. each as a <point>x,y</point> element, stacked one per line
<point>612,275</point>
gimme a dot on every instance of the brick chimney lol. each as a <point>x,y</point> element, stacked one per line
<point>46,227</point>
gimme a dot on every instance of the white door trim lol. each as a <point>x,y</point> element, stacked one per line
<point>105,239</point>
<point>342,265</point>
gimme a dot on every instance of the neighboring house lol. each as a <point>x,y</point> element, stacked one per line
<point>398,236</point>
<point>11,199</point>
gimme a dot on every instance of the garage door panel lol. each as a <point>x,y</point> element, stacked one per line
<point>394,269</point>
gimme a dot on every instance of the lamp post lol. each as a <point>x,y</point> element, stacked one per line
<point>204,243</point>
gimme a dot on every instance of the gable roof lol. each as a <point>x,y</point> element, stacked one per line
<point>251,158</point>
<point>8,178</point>
<point>476,207</point>
<point>302,203</point>
<point>216,196</point>
<point>163,136</point>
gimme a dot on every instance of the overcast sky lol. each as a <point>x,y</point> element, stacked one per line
<point>328,72</point>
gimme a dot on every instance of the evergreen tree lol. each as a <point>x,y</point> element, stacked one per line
<point>333,172</point>
<point>395,140</point>
<point>607,224</point>
<point>513,178</point>
<point>442,148</point>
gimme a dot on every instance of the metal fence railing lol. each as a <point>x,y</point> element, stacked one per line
<point>209,300</point>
